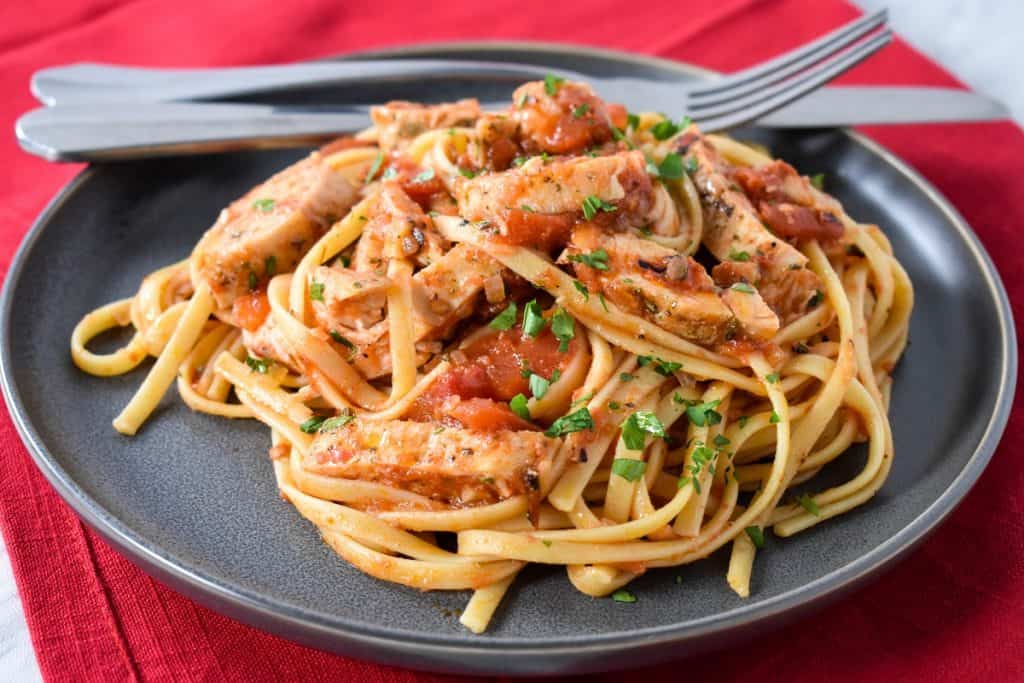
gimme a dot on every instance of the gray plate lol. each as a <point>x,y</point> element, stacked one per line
<point>192,500</point>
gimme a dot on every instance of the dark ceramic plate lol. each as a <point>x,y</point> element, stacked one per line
<point>192,499</point>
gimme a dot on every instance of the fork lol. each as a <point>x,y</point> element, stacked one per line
<point>107,112</point>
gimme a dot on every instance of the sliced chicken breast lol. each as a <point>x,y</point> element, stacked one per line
<point>457,466</point>
<point>269,229</point>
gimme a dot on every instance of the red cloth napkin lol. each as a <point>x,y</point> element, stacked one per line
<point>954,610</point>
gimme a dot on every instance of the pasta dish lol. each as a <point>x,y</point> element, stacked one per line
<point>561,333</point>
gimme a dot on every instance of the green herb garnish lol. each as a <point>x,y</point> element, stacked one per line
<point>573,422</point>
<point>637,426</point>
<point>316,291</point>
<point>506,319</point>
<point>533,320</point>
<point>592,204</point>
<point>628,469</point>
<point>518,406</point>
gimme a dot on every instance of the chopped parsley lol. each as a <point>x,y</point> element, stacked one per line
<point>816,299</point>
<point>374,167</point>
<point>424,176</point>
<point>312,425</point>
<point>270,265</point>
<point>254,281</point>
<point>677,398</point>
<point>818,180</point>
<point>738,255</point>
<point>637,426</point>
<point>756,536</point>
<point>626,377</point>
<point>720,441</point>
<point>336,423</point>
<point>743,287</point>
<point>316,291</point>
<point>628,469</point>
<point>774,419</point>
<point>592,204</point>
<point>539,386</point>
<point>467,173</point>
<point>526,207</point>
<point>666,128</point>
<point>580,111</point>
<point>573,422</point>
<point>563,327</point>
<point>742,420</point>
<point>264,205</point>
<point>552,83</point>
<point>614,405</point>
<point>772,378</point>
<point>670,168</point>
<point>704,414</point>
<point>518,406</point>
<point>582,289</point>
<point>257,364</point>
<point>632,121</point>
<point>623,595</point>
<point>506,319</point>
<point>597,259</point>
<point>807,503</point>
<point>691,165</point>
<point>519,161</point>
<point>662,367</point>
<point>604,304</point>
<point>533,320</point>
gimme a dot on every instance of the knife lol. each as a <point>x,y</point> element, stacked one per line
<point>864,105</point>
<point>99,131</point>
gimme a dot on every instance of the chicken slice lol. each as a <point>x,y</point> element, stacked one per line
<point>397,215</point>
<point>536,204</point>
<point>732,226</point>
<point>654,282</point>
<point>269,229</point>
<point>349,305</point>
<point>399,122</point>
<point>457,466</point>
<point>445,291</point>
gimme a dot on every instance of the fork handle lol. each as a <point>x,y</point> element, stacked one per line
<point>110,132</point>
<point>82,83</point>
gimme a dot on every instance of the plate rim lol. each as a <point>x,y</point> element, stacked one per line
<point>297,623</point>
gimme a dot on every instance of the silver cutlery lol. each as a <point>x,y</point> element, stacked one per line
<point>105,113</point>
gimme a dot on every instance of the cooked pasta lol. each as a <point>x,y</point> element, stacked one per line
<point>564,333</point>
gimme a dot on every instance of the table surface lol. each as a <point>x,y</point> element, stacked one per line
<point>955,34</point>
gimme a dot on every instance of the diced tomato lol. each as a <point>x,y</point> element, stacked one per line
<point>545,232</point>
<point>486,415</point>
<point>250,310</point>
<point>619,115</point>
<point>489,375</point>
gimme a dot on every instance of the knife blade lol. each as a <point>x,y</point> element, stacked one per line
<point>865,105</point>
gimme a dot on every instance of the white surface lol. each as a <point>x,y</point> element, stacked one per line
<point>977,40</point>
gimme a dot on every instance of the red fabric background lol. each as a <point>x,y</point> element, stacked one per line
<point>953,611</point>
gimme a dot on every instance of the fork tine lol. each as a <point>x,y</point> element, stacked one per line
<point>784,93</point>
<point>713,109</point>
<point>787,64</point>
